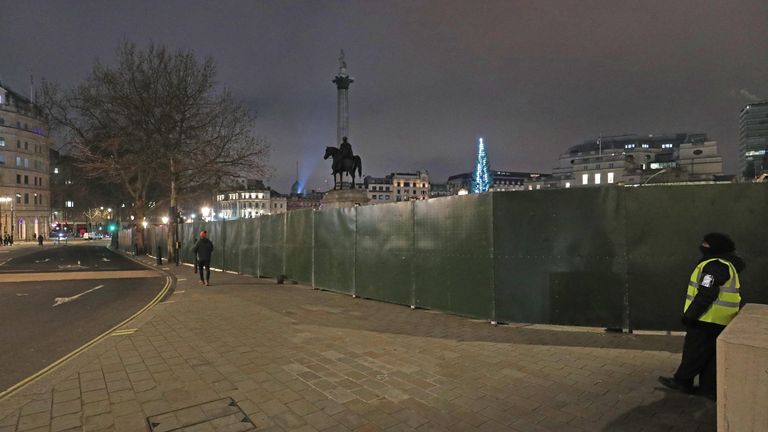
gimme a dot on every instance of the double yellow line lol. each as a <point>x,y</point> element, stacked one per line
<point>8,393</point>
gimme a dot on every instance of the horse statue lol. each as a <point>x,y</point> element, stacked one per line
<point>341,166</point>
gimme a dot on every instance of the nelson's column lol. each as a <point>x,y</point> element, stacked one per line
<point>339,197</point>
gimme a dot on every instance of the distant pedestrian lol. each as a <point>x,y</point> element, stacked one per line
<point>203,250</point>
<point>712,301</point>
<point>40,239</point>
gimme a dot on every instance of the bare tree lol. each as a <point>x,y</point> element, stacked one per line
<point>206,135</point>
<point>156,122</point>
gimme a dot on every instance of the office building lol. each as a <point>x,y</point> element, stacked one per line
<point>25,196</point>
<point>753,140</point>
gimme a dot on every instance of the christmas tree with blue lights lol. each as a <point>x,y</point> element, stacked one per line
<point>481,176</point>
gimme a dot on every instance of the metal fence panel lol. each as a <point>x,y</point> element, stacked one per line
<point>248,247</point>
<point>216,232</point>
<point>233,235</point>
<point>559,256</point>
<point>665,225</point>
<point>125,240</point>
<point>272,244</point>
<point>452,264</point>
<point>385,252</point>
<point>335,249</point>
<point>298,246</point>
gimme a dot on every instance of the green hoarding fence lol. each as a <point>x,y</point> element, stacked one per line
<point>334,235</point>
<point>272,245</point>
<point>665,225</point>
<point>559,257</point>
<point>612,257</point>
<point>453,261</point>
<point>299,231</point>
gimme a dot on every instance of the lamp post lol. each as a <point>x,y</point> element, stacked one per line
<point>13,218</point>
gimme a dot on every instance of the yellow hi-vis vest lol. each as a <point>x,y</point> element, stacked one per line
<point>726,306</point>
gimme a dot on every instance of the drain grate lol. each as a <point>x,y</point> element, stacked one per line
<point>218,415</point>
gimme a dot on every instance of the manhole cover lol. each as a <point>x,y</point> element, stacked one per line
<point>218,415</point>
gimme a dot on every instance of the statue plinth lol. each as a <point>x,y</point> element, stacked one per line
<point>345,198</point>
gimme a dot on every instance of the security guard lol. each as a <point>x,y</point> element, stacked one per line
<point>712,301</point>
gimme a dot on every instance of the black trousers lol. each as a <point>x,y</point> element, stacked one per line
<point>204,264</point>
<point>699,357</point>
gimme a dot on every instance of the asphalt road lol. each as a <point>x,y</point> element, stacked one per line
<point>56,298</point>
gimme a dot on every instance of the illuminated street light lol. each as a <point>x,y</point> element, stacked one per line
<point>144,224</point>
<point>165,219</point>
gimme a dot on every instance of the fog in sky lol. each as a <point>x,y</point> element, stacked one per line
<point>532,78</point>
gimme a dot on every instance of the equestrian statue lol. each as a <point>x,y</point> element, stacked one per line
<point>344,162</point>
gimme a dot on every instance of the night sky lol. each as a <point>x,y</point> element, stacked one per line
<point>532,78</point>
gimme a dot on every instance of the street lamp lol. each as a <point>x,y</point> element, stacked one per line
<point>205,211</point>
<point>13,217</point>
<point>165,219</point>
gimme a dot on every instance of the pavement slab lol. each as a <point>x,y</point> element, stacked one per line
<point>297,359</point>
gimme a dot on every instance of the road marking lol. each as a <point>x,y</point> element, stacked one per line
<point>17,276</point>
<point>124,332</point>
<point>20,385</point>
<point>21,294</point>
<point>43,261</point>
<point>61,300</point>
<point>181,279</point>
<point>167,302</point>
<point>179,292</point>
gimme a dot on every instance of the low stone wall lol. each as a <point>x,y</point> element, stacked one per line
<point>742,372</point>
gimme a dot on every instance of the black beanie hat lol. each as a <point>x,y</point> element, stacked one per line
<point>719,243</point>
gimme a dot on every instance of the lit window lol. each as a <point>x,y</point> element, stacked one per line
<point>610,177</point>
<point>567,185</point>
<point>2,142</point>
<point>597,178</point>
<point>645,145</point>
<point>585,179</point>
<point>55,170</point>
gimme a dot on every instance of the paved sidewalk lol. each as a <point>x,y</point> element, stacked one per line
<point>247,354</point>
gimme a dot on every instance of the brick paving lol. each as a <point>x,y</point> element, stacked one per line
<point>297,359</point>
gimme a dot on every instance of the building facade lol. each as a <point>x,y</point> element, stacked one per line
<point>753,140</point>
<point>304,200</point>
<point>639,159</point>
<point>248,199</point>
<point>502,181</point>
<point>398,186</point>
<point>25,196</point>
